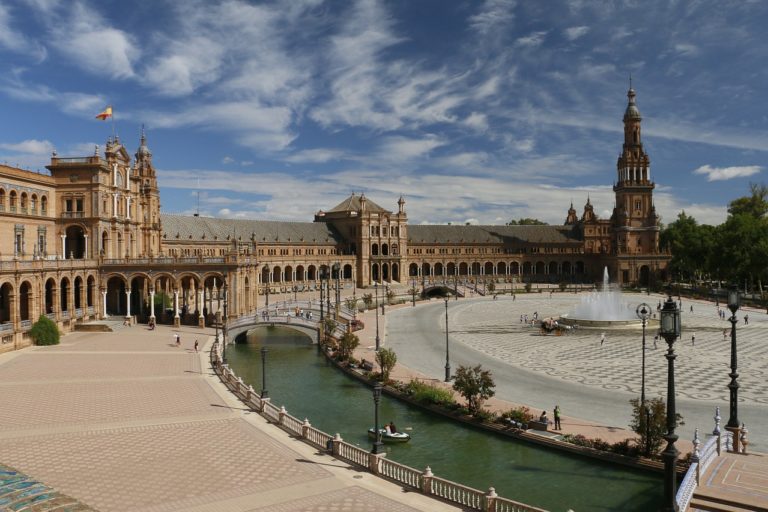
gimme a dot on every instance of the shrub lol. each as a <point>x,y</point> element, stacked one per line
<point>387,359</point>
<point>483,415</point>
<point>45,332</point>
<point>347,345</point>
<point>528,287</point>
<point>655,416</point>
<point>520,414</point>
<point>429,394</point>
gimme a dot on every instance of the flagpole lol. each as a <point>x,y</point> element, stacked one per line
<point>114,133</point>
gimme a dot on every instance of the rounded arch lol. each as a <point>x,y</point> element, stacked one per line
<point>644,277</point>
<point>23,201</point>
<point>527,268</point>
<point>43,204</point>
<point>74,242</point>
<point>384,250</point>
<point>540,268</point>
<point>374,249</point>
<point>451,269</point>
<point>89,290</point>
<point>347,271</point>
<point>300,271</point>
<point>2,199</point>
<point>395,272</point>
<point>50,294</point>
<point>64,286</point>
<point>463,269</point>
<point>375,272</point>
<point>288,273</point>
<point>488,268</point>
<point>78,292</point>
<point>12,200</point>
<point>116,300</point>
<point>277,275</point>
<point>476,268</point>
<point>439,269</point>
<point>501,268</point>
<point>312,273</point>
<point>6,292</point>
<point>426,269</point>
<point>514,268</point>
<point>413,269</point>
<point>33,203</point>
<point>25,301</point>
<point>552,268</point>
<point>566,267</point>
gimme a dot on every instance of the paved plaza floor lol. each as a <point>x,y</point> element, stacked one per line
<point>590,380</point>
<point>127,421</point>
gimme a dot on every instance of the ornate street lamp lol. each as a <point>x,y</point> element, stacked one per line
<point>322,298</point>
<point>265,271</point>
<point>643,312</point>
<point>224,324</point>
<point>295,289</point>
<point>378,446</point>
<point>670,331</point>
<point>413,292</point>
<point>734,302</point>
<point>264,393</point>
<point>337,271</point>
<point>447,360</point>
<point>376,289</point>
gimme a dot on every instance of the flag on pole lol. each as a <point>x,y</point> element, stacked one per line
<point>107,112</point>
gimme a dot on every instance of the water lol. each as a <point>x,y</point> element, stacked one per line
<point>604,304</point>
<point>301,380</point>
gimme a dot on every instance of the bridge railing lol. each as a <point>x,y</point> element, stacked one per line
<point>422,481</point>
<point>701,460</point>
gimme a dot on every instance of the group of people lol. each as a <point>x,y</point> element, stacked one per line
<point>390,428</point>
<point>556,413</point>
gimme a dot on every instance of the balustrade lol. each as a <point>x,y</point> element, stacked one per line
<point>354,454</point>
<point>7,326</point>
<point>292,424</point>
<point>457,493</point>
<point>505,505</point>
<point>400,473</point>
<point>271,412</point>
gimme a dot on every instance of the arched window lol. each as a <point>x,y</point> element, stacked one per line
<point>43,205</point>
<point>2,200</point>
<point>33,203</point>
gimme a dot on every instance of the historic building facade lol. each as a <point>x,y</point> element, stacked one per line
<point>89,241</point>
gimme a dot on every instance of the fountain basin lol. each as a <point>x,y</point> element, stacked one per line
<point>590,323</point>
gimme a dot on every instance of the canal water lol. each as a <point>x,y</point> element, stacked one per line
<point>300,379</point>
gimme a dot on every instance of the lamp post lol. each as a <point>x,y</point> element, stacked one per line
<point>447,360</point>
<point>328,278</point>
<point>670,331</point>
<point>264,393</point>
<point>226,301</point>
<point>734,301</point>
<point>337,271</point>
<point>378,446</point>
<point>376,290</point>
<point>265,271</point>
<point>643,312</point>
<point>455,287</point>
<point>322,298</point>
<point>413,292</point>
<point>295,289</point>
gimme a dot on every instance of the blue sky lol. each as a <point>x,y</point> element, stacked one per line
<point>475,111</point>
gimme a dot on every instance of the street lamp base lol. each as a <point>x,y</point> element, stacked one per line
<point>378,448</point>
<point>447,373</point>
<point>736,444</point>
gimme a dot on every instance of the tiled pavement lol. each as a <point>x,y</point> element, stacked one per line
<point>126,421</point>
<point>736,479</point>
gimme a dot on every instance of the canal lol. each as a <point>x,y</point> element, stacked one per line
<point>301,380</point>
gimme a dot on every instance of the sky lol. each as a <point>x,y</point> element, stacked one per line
<point>473,111</point>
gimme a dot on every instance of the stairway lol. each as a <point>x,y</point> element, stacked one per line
<point>703,501</point>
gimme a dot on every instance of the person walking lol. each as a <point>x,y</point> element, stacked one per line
<point>196,345</point>
<point>746,319</point>
<point>725,334</point>
<point>693,339</point>
<point>602,339</point>
<point>655,341</point>
<point>557,418</point>
<point>178,340</point>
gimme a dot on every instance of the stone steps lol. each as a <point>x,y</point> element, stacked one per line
<point>709,503</point>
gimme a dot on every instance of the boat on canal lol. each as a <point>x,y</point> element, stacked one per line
<point>388,436</point>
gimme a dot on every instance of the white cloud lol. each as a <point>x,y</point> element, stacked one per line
<point>399,148</point>
<point>727,173</point>
<point>573,33</point>
<point>687,49</point>
<point>318,156</point>
<point>70,102</point>
<point>532,40</point>
<point>493,15</point>
<point>227,160</point>
<point>477,121</point>
<point>83,35</point>
<point>31,146</point>
<point>15,40</point>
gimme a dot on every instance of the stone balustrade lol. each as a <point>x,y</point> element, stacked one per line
<point>422,481</point>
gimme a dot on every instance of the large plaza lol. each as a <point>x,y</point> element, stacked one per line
<point>588,380</point>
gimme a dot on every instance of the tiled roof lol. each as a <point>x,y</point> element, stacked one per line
<point>209,229</point>
<point>352,204</point>
<point>492,234</point>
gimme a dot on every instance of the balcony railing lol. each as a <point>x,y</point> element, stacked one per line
<point>7,326</point>
<point>73,215</point>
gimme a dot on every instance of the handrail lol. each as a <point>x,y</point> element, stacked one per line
<point>423,481</point>
<point>711,450</point>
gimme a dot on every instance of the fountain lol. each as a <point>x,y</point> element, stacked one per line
<point>603,309</point>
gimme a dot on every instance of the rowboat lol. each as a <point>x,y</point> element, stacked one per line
<point>391,437</point>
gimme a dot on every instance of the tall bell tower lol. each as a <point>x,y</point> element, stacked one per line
<point>149,199</point>
<point>635,223</point>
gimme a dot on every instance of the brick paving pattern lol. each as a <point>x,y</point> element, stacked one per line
<point>128,422</point>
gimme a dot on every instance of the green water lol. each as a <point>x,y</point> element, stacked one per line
<point>300,379</point>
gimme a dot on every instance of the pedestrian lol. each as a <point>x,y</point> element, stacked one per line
<point>196,345</point>
<point>725,334</point>
<point>655,341</point>
<point>746,319</point>
<point>691,308</point>
<point>693,339</point>
<point>602,339</point>
<point>178,340</point>
<point>521,318</point>
<point>557,418</point>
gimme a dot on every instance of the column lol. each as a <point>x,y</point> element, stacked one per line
<point>114,205</point>
<point>63,247</point>
<point>85,254</point>
<point>176,318</point>
<point>199,305</point>
<point>127,302</point>
<point>103,304</point>
<point>128,207</point>
<point>152,303</point>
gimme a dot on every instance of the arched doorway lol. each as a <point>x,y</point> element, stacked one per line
<point>645,275</point>
<point>64,295</point>
<point>25,301</point>
<point>116,304</point>
<point>50,291</point>
<point>5,303</point>
<point>74,243</point>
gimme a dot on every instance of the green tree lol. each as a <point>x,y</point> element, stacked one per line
<point>368,300</point>
<point>651,438</point>
<point>351,303</point>
<point>45,332</point>
<point>390,295</point>
<point>386,359</point>
<point>526,221</point>
<point>475,385</point>
<point>754,205</point>
<point>692,246</point>
<point>347,345</point>
<point>329,325</point>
